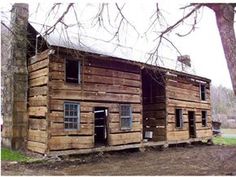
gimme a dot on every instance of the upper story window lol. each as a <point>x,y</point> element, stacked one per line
<point>204,118</point>
<point>179,118</point>
<point>125,116</point>
<point>71,116</point>
<point>72,71</point>
<point>203,92</point>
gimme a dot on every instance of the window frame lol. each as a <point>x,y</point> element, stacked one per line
<point>204,119</point>
<point>79,70</point>
<point>126,117</point>
<point>181,118</point>
<point>77,117</point>
<point>205,95</point>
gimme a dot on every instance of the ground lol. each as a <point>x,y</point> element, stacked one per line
<point>191,160</point>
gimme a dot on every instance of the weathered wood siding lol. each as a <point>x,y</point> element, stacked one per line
<point>154,106</point>
<point>183,92</point>
<point>104,83</point>
<point>38,68</point>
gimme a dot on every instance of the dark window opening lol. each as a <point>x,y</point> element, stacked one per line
<point>72,71</point>
<point>204,118</point>
<point>178,118</point>
<point>203,92</point>
<point>125,117</point>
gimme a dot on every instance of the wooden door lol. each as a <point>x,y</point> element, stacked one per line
<point>192,125</point>
<point>100,125</point>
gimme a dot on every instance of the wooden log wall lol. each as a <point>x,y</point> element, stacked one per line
<point>38,68</point>
<point>154,107</point>
<point>184,93</point>
<point>104,83</point>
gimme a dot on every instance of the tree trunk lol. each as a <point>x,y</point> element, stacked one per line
<point>225,22</point>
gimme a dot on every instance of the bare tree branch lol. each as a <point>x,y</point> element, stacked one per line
<point>52,28</point>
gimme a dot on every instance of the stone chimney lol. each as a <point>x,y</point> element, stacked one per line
<point>185,62</point>
<point>15,80</point>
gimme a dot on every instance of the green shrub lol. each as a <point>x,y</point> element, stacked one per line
<point>9,155</point>
<point>224,141</point>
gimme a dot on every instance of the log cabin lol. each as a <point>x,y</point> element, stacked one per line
<point>83,101</point>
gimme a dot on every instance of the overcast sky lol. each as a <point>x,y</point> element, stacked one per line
<point>203,45</point>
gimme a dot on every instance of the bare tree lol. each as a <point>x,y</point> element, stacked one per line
<point>224,13</point>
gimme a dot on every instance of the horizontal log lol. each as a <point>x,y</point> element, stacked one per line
<point>70,142</point>
<point>96,96</point>
<point>39,57</point>
<point>35,91</point>
<point>38,101</point>
<point>204,133</point>
<point>55,84</point>
<point>43,80</point>
<point>187,104</point>
<point>111,80</point>
<point>124,138</point>
<point>115,127</point>
<point>111,73</point>
<point>54,66</point>
<point>39,65</point>
<point>38,73</point>
<point>36,147</point>
<point>110,63</point>
<point>177,135</point>
<point>38,111</point>
<point>183,96</point>
<point>37,135</point>
<point>57,75</point>
<point>111,88</point>
<point>171,109</point>
<point>58,129</point>
<point>40,124</point>
<point>172,127</point>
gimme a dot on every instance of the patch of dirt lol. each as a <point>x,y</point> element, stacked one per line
<point>193,160</point>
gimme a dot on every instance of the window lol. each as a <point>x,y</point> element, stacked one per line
<point>125,117</point>
<point>71,116</point>
<point>178,118</point>
<point>72,71</point>
<point>203,92</point>
<point>204,118</point>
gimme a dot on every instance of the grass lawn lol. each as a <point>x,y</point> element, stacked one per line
<point>225,141</point>
<point>10,155</point>
<point>229,131</point>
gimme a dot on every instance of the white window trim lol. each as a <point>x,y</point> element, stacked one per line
<point>78,116</point>
<point>126,117</point>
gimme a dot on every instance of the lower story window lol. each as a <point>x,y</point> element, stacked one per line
<point>71,116</point>
<point>178,118</point>
<point>125,116</point>
<point>204,118</point>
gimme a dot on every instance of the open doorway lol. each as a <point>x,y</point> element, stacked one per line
<point>100,115</point>
<point>192,127</point>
